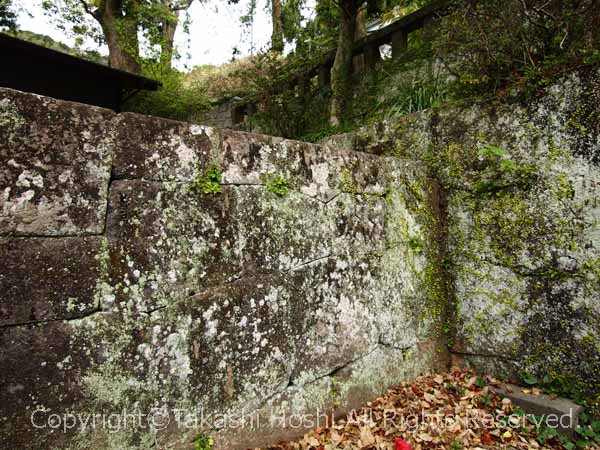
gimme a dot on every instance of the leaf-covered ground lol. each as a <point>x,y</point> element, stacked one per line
<point>451,411</point>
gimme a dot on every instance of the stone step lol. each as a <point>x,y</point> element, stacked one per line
<point>556,412</point>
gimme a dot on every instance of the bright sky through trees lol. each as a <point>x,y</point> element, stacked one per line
<point>214,33</point>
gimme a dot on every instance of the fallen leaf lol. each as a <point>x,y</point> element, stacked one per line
<point>366,437</point>
<point>486,439</point>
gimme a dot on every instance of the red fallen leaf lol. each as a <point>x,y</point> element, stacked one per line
<point>486,439</point>
<point>402,445</point>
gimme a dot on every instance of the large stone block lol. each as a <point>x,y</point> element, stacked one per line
<point>50,278</point>
<point>54,166</point>
<point>40,376</point>
<point>156,149</point>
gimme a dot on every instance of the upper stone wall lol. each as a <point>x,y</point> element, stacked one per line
<point>125,289</point>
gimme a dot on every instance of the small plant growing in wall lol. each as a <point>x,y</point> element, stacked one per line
<point>416,244</point>
<point>277,184</point>
<point>347,184</point>
<point>501,171</point>
<point>203,442</point>
<point>209,182</point>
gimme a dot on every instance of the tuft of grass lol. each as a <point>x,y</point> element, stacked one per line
<point>417,94</point>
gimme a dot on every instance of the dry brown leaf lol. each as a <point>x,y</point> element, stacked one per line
<point>366,437</point>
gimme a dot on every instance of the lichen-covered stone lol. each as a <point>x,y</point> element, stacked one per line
<point>151,148</point>
<point>54,166</point>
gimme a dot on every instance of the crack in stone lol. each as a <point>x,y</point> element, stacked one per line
<point>483,355</point>
<point>526,272</point>
<point>243,184</point>
<point>50,236</point>
<point>233,280</point>
<point>392,346</point>
<point>306,263</point>
<point>96,310</point>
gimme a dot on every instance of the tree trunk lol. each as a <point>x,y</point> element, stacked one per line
<point>342,65</point>
<point>277,34</point>
<point>120,30</point>
<point>361,25</point>
<point>169,27</point>
<point>360,31</point>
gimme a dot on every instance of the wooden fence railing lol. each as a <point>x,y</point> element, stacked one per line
<point>395,35</point>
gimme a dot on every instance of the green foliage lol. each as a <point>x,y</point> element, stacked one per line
<point>203,442</point>
<point>126,20</point>
<point>593,57</point>
<point>209,182</point>
<point>529,379</point>
<point>326,130</point>
<point>422,91</point>
<point>490,45</point>
<point>176,99</point>
<point>480,382</point>
<point>71,17</point>
<point>416,244</point>
<point>8,15</point>
<point>285,109</point>
<point>300,110</point>
<point>277,184</point>
<point>47,41</point>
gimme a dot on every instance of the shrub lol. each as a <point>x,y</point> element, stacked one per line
<point>175,100</point>
<point>286,108</point>
<point>489,44</point>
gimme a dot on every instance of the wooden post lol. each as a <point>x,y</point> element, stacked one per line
<point>427,21</point>
<point>372,57</point>
<point>399,43</point>
<point>324,77</point>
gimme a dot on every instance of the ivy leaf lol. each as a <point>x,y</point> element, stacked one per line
<point>480,383</point>
<point>530,379</point>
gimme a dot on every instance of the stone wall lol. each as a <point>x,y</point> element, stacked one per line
<point>126,290</point>
<point>193,281</point>
<point>520,225</point>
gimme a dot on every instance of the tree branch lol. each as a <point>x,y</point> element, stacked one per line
<point>88,10</point>
<point>180,6</point>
